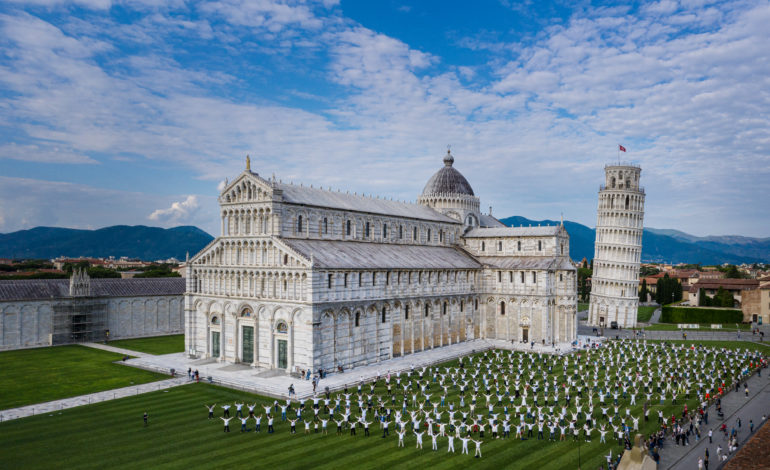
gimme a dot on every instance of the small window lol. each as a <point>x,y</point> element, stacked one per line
<point>387,278</point>
<point>560,277</point>
<point>400,232</point>
<point>462,305</point>
<point>366,230</point>
<point>358,318</point>
<point>347,228</point>
<point>329,281</point>
<point>414,234</point>
<point>539,245</point>
<point>502,308</point>
<point>427,309</point>
<point>360,279</point>
<point>522,277</point>
<point>215,320</point>
<point>499,246</point>
<point>384,310</point>
<point>444,309</point>
<point>441,236</point>
<point>406,313</point>
<point>384,231</point>
<point>429,239</point>
<point>483,246</point>
<point>562,249</point>
<point>534,277</point>
<point>285,259</point>
<point>510,277</point>
<point>519,245</point>
<point>299,224</point>
<point>326,226</point>
<point>345,279</point>
<point>499,276</point>
<point>476,304</point>
<point>374,278</point>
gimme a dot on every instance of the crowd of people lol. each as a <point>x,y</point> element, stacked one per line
<point>602,394</point>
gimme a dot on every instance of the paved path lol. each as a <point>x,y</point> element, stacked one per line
<point>125,352</point>
<point>656,315</point>
<point>275,384</point>
<point>734,405</point>
<point>57,405</point>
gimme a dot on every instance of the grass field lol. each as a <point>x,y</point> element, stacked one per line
<point>704,327</point>
<point>644,313</point>
<point>761,347</point>
<point>152,345</point>
<point>582,306</point>
<point>44,374</point>
<point>111,435</point>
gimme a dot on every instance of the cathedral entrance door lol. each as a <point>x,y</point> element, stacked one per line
<point>247,344</point>
<point>215,344</point>
<point>525,335</point>
<point>281,353</point>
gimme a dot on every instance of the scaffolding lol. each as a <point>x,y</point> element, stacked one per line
<point>79,320</point>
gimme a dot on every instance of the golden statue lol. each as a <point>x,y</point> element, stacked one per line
<point>248,163</point>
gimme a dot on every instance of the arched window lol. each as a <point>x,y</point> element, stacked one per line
<point>400,232</point>
<point>384,231</point>
<point>347,228</point>
<point>443,312</point>
<point>502,308</point>
<point>414,234</point>
<point>384,311</point>
<point>406,313</point>
<point>612,182</point>
<point>483,246</point>
<point>282,327</point>
<point>326,226</point>
<point>499,276</point>
<point>329,281</point>
<point>358,318</point>
<point>627,202</point>
<point>476,304</point>
<point>499,246</point>
<point>366,230</point>
<point>429,239</point>
<point>539,245</point>
<point>299,224</point>
<point>462,305</point>
<point>285,259</point>
<point>534,277</point>
<point>628,183</point>
<point>427,309</point>
<point>519,245</point>
<point>522,277</point>
<point>470,220</point>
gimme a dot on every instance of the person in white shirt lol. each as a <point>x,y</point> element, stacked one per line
<point>478,448</point>
<point>419,439</point>
<point>227,424</point>
<point>451,447</point>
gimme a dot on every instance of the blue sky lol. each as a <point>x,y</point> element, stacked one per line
<point>135,112</point>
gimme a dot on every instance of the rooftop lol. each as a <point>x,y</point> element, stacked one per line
<point>50,289</point>
<point>448,180</point>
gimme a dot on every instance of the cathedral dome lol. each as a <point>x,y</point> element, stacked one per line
<point>448,180</point>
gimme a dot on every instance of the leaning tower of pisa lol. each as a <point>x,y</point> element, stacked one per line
<point>615,279</point>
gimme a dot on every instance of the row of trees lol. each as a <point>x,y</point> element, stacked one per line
<point>668,290</point>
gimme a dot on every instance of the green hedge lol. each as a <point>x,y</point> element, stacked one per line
<point>700,315</point>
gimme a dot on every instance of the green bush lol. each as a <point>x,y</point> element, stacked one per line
<point>699,315</point>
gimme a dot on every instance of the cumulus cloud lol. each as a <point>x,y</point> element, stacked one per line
<point>178,212</point>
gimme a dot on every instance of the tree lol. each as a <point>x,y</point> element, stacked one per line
<point>703,299</point>
<point>732,272</point>
<point>643,292</point>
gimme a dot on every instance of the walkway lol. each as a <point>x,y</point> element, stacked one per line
<point>58,405</point>
<point>275,384</point>
<point>734,405</point>
<point>125,352</point>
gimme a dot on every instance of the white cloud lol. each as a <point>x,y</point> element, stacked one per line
<point>43,154</point>
<point>179,212</point>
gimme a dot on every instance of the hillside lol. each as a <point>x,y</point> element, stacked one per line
<point>146,243</point>
<point>670,246</point>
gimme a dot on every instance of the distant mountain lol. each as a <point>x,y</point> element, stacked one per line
<point>672,246</point>
<point>146,243</point>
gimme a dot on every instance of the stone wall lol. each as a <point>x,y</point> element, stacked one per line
<point>28,324</point>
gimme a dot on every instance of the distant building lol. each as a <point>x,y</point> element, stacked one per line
<point>711,287</point>
<point>45,312</point>
<point>756,304</point>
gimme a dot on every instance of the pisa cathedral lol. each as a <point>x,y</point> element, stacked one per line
<point>309,278</point>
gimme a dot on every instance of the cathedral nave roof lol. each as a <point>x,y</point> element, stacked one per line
<point>526,262</point>
<point>366,255</point>
<point>545,231</point>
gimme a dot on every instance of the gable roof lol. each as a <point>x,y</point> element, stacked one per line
<point>50,289</point>
<point>365,255</point>
<point>545,231</point>
<point>527,262</point>
<point>316,197</point>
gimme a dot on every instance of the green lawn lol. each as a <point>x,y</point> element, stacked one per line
<point>762,347</point>
<point>644,313</point>
<point>703,327</point>
<point>44,374</point>
<point>152,345</point>
<point>582,306</point>
<point>111,435</point>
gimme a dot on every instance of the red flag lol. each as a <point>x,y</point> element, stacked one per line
<point>622,149</point>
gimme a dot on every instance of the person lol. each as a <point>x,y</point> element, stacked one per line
<point>239,410</point>
<point>401,437</point>
<point>465,445</point>
<point>434,443</point>
<point>711,431</point>
<point>146,417</point>
<point>226,413</point>
<point>270,429</point>
<point>227,423</point>
<point>419,439</point>
<point>478,448</point>
<point>293,426</point>
<point>243,424</point>
<point>451,447</point>
<point>700,463</point>
<point>257,423</point>
<point>211,410</point>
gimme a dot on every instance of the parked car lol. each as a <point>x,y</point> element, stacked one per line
<point>614,325</point>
